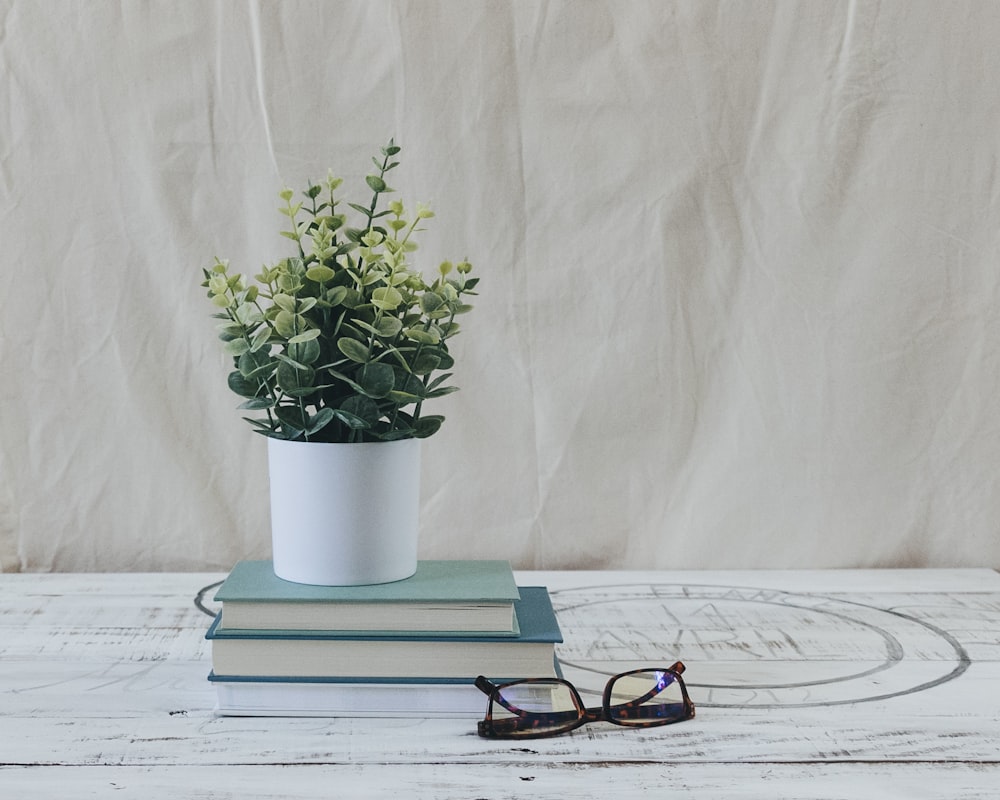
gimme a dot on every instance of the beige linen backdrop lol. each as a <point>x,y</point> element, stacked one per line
<point>739,268</point>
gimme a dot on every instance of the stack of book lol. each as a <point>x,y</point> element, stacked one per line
<point>412,648</point>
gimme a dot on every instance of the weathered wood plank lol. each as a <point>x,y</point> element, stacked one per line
<point>161,714</point>
<point>527,779</point>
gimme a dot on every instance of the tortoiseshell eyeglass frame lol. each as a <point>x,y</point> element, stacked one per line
<point>536,725</point>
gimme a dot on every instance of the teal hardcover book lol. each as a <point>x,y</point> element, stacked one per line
<point>464,597</point>
<point>352,697</point>
<point>291,654</point>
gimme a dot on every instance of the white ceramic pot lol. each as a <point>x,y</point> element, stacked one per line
<point>344,514</point>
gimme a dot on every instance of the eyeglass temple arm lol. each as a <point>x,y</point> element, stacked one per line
<point>488,687</point>
<point>489,726</point>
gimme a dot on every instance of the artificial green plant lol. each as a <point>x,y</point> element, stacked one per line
<point>343,341</point>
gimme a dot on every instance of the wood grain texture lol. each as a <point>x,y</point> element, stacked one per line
<point>516,781</point>
<point>823,684</point>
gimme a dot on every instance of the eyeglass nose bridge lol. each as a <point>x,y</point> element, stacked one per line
<point>595,714</point>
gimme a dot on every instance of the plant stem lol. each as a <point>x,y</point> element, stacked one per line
<point>381,176</point>
<point>295,229</point>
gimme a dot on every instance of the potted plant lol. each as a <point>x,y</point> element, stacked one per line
<point>337,349</point>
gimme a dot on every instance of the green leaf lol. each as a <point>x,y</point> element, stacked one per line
<point>389,327</point>
<point>372,276</point>
<point>377,379</point>
<point>292,419</point>
<point>410,384</point>
<point>266,424</point>
<point>336,295</point>
<point>342,377</point>
<point>251,363</point>
<point>305,391</point>
<point>428,426</point>
<point>242,386</point>
<point>263,373</point>
<point>425,363</point>
<point>421,336</point>
<point>247,315</point>
<point>257,404</point>
<point>289,283</point>
<point>364,408</point>
<point>350,420</point>
<point>320,274</point>
<point>291,379</point>
<point>430,302</point>
<point>438,381</point>
<point>260,338</point>
<point>285,301</point>
<point>305,336</point>
<point>284,324</point>
<point>354,350</point>
<point>230,330</point>
<point>320,420</point>
<point>375,183</point>
<point>403,398</point>
<point>352,299</point>
<point>395,434</point>
<point>387,298</point>
<point>304,352</point>
<point>236,347</point>
<point>441,392</point>
<point>291,361</point>
<point>397,354</point>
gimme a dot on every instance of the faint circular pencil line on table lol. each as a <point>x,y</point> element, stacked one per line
<point>896,652</point>
<point>958,670</point>
<point>753,686</point>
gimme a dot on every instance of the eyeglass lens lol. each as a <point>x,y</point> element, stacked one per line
<point>644,697</point>
<point>537,707</point>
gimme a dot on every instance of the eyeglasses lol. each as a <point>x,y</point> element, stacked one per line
<point>531,709</point>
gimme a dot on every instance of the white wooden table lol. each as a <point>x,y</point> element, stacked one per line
<point>838,684</point>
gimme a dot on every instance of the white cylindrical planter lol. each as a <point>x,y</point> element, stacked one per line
<point>344,514</point>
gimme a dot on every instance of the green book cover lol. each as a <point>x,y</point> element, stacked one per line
<point>434,581</point>
<point>535,615</point>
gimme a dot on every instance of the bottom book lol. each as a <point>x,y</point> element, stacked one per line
<point>455,698</point>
